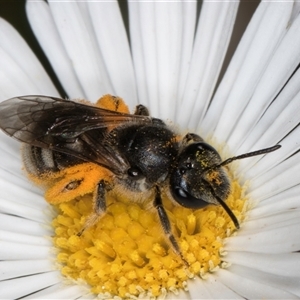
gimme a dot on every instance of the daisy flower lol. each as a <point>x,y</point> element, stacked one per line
<point>169,60</point>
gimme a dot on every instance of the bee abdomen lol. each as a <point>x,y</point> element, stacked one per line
<point>38,160</point>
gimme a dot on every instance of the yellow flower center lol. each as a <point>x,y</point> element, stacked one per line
<point>126,252</point>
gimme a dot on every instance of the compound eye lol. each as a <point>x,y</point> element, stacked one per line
<point>188,166</point>
<point>205,146</point>
<point>134,172</point>
<point>181,193</point>
<point>185,199</point>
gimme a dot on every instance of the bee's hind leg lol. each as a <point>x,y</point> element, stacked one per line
<point>99,208</point>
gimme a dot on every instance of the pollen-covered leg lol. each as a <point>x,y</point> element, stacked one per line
<point>166,225</point>
<point>99,208</point>
<point>73,182</point>
<point>112,103</point>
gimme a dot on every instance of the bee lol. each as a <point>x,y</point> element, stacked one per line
<point>77,148</point>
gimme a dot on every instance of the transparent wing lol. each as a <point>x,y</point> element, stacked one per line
<point>66,126</point>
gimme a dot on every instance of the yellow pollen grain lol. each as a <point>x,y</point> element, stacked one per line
<point>126,254</point>
<point>137,259</point>
<point>159,250</point>
<point>105,248</point>
<point>191,224</point>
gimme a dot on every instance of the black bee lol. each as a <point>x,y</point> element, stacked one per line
<point>142,155</point>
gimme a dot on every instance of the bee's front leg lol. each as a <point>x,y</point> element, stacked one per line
<point>166,225</point>
<point>141,110</point>
<point>99,208</point>
<point>190,138</point>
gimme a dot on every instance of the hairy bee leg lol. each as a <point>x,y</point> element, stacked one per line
<point>191,137</point>
<point>141,110</point>
<point>99,206</point>
<point>166,225</point>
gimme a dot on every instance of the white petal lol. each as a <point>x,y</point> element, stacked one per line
<point>211,41</point>
<point>21,225</point>
<point>168,21</point>
<point>274,221</point>
<point>81,46</point>
<point>198,290</point>
<point>276,179</point>
<point>279,240</point>
<point>24,211</point>
<point>143,41</point>
<point>113,44</point>
<point>187,45</point>
<point>278,264</point>
<point>156,37</point>
<point>16,177</point>
<point>250,288</point>
<point>63,291</point>
<point>285,201</point>
<point>86,296</point>
<point>296,10</point>
<point>181,294</point>
<point>12,77</point>
<point>43,26</point>
<point>10,150</point>
<point>12,175</point>
<point>275,123</point>
<point>11,171</point>
<point>283,63</point>
<point>250,60</point>
<point>257,166</point>
<point>138,52</point>
<point>19,251</point>
<point>210,288</point>
<point>17,288</point>
<point>18,268</point>
<point>23,196</point>
<point>20,74</point>
<point>14,237</point>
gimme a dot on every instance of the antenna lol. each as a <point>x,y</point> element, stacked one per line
<point>228,161</point>
<point>246,155</point>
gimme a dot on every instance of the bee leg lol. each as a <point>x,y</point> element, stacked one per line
<point>141,110</point>
<point>166,225</point>
<point>99,206</point>
<point>190,138</point>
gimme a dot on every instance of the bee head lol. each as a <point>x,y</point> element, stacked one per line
<point>197,178</point>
